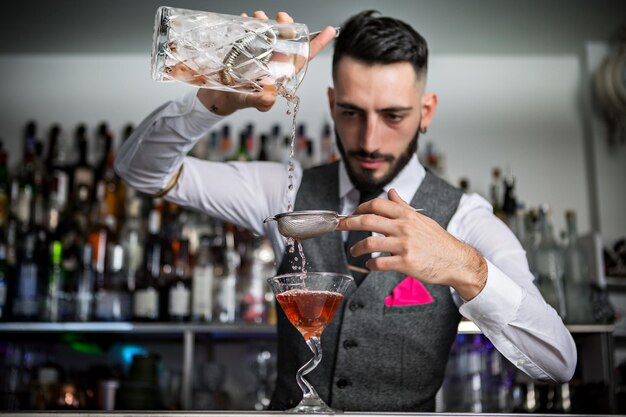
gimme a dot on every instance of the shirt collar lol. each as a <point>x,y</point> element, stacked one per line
<point>406,182</point>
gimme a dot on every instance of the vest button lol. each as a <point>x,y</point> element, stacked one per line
<point>343,383</point>
<point>355,305</point>
<point>349,344</point>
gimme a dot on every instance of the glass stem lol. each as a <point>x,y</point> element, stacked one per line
<point>307,389</point>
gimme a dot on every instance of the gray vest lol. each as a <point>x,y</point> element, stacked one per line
<point>375,358</point>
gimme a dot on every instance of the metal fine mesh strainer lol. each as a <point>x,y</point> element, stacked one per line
<point>306,224</point>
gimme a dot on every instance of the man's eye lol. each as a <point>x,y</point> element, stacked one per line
<point>348,113</point>
<point>394,117</point>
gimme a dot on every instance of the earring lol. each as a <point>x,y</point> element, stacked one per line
<point>423,130</point>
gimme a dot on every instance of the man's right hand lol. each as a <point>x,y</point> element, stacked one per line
<point>224,103</point>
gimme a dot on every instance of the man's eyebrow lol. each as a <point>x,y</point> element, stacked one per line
<point>393,109</point>
<point>349,106</point>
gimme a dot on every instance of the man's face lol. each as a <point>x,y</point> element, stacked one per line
<point>377,110</point>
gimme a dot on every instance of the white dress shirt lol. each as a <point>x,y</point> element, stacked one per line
<point>510,311</point>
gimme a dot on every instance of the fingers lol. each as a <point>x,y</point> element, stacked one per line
<point>377,244</point>
<point>370,222</point>
<point>260,14</point>
<point>385,263</point>
<point>321,40</point>
<point>388,208</point>
<point>261,101</point>
<point>282,17</point>
<point>395,197</point>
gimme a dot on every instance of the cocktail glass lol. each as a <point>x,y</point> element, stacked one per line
<point>226,52</point>
<point>310,300</point>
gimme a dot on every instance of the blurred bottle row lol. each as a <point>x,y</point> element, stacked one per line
<point>479,379</point>
<point>562,266</point>
<point>76,244</point>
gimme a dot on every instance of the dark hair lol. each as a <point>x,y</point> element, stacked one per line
<point>376,39</point>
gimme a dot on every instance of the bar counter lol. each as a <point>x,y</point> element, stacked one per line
<point>253,414</point>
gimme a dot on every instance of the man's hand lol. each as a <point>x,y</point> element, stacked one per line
<point>418,246</point>
<point>224,103</point>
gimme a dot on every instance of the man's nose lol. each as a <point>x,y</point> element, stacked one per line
<point>370,140</point>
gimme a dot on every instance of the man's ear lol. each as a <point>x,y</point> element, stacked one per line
<point>331,99</point>
<point>429,105</point>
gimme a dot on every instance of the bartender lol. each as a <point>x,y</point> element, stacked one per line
<point>387,347</point>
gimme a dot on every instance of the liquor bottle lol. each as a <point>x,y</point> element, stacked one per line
<point>328,153</point>
<point>202,283</point>
<point>309,156</point>
<point>250,142</point>
<point>12,248</point>
<point>127,131</point>
<point>4,278</point>
<point>518,224</point>
<point>576,276</point>
<point>276,143</point>
<point>496,192</point>
<point>242,153</point>
<point>116,286</point>
<point>146,295</point>
<point>113,188</point>
<point>83,176</point>
<point>301,143</point>
<point>29,178</point>
<point>112,299</point>
<point>104,144</point>
<point>260,260</point>
<point>509,204</point>
<point>225,143</point>
<point>86,281</point>
<point>180,288</point>
<point>26,304</point>
<point>213,146</point>
<point>549,265</point>
<point>286,150</point>
<point>132,239</point>
<point>169,248</point>
<point>166,275</point>
<point>54,296</point>
<point>100,237</point>
<point>57,176</point>
<point>4,220</point>
<point>5,188</point>
<point>264,154</point>
<point>227,262</point>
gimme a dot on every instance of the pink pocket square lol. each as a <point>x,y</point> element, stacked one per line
<point>409,292</point>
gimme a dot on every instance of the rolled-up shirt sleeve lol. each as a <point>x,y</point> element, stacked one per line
<point>154,152</point>
<point>242,193</point>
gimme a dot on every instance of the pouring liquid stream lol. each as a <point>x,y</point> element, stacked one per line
<point>293,103</point>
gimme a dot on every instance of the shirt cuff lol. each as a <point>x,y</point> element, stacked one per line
<point>497,304</point>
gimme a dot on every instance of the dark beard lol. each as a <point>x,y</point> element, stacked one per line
<point>364,181</point>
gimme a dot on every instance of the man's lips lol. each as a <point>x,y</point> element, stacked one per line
<point>366,163</point>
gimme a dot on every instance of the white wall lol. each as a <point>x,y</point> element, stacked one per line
<point>509,111</point>
<point>608,161</point>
